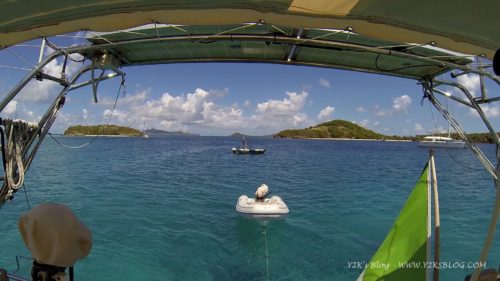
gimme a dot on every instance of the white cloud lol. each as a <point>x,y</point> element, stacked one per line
<point>281,113</point>
<point>46,90</point>
<point>284,107</point>
<point>183,108</point>
<point>172,126</point>
<point>199,112</point>
<point>471,82</point>
<point>215,116</point>
<point>64,120</point>
<point>360,109</point>
<point>324,83</point>
<point>18,110</point>
<point>38,91</point>
<point>401,103</point>
<point>299,119</point>
<point>418,129</point>
<point>325,113</point>
<point>491,111</point>
<point>116,116</point>
<point>367,123</point>
<point>11,107</point>
<point>170,112</point>
<point>137,98</point>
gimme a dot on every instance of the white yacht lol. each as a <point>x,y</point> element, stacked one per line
<point>441,142</point>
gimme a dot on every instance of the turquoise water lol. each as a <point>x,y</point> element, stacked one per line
<point>163,208</point>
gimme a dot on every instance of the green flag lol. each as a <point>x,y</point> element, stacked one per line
<point>403,254</point>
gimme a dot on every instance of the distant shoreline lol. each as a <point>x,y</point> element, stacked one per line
<point>348,139</point>
<point>108,136</point>
<point>332,139</point>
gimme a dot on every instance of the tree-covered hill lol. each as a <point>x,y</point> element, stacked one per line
<point>333,129</point>
<point>108,130</point>
<point>348,130</point>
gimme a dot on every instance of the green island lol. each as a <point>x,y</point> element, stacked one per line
<point>156,132</point>
<point>105,130</point>
<point>342,129</point>
<point>338,129</point>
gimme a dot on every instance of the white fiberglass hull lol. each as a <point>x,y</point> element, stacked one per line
<point>442,144</point>
<point>270,206</point>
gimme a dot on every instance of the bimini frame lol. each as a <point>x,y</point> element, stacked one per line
<point>100,58</point>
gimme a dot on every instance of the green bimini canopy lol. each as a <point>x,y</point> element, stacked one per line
<point>261,42</point>
<point>464,26</point>
<point>404,253</point>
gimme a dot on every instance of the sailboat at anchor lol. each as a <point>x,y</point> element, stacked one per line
<point>442,142</point>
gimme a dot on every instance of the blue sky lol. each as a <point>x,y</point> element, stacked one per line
<point>222,98</point>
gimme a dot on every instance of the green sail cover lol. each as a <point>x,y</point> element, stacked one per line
<point>403,254</point>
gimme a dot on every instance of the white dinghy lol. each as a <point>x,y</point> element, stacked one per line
<point>260,205</point>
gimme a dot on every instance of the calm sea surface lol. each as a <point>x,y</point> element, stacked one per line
<point>164,208</point>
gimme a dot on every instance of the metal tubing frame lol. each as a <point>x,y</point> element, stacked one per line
<point>244,37</point>
<point>285,40</point>
<point>46,116</point>
<point>43,121</point>
<point>475,104</point>
<point>454,123</point>
<point>447,95</point>
<point>13,93</point>
<point>46,122</point>
<point>61,81</point>
<point>89,82</point>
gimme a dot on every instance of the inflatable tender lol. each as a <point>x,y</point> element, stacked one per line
<point>260,205</point>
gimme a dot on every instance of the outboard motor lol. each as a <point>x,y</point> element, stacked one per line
<point>56,240</point>
<point>262,192</point>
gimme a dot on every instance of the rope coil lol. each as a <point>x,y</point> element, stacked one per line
<point>17,132</point>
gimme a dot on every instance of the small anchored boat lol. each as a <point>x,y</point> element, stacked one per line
<point>243,149</point>
<point>260,205</point>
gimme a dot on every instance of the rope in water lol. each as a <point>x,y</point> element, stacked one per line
<point>267,253</point>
